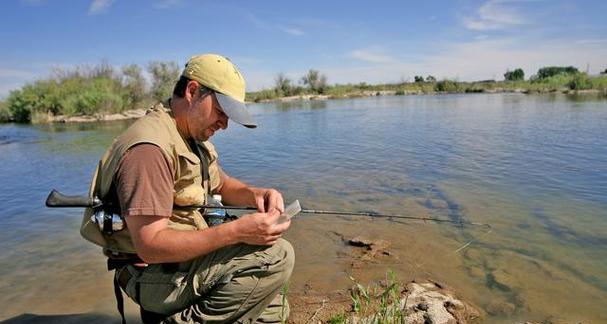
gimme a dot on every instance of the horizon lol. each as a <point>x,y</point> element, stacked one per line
<point>463,40</point>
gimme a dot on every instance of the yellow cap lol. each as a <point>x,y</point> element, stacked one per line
<point>219,74</point>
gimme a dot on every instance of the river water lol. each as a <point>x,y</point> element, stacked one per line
<point>533,167</point>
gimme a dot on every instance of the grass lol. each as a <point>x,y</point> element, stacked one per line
<point>374,304</point>
<point>283,310</point>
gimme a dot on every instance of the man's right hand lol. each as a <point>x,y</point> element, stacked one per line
<point>260,228</point>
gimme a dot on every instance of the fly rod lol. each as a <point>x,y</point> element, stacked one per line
<point>57,199</point>
<point>367,214</point>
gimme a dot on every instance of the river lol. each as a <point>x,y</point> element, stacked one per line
<point>533,167</point>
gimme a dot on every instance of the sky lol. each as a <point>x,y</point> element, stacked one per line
<point>348,41</point>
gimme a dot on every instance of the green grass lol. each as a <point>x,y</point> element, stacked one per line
<point>374,303</point>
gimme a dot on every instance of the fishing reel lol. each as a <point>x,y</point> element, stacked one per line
<point>108,222</point>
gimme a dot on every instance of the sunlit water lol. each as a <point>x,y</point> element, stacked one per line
<point>533,167</point>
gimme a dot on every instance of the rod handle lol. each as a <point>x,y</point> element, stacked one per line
<point>57,199</point>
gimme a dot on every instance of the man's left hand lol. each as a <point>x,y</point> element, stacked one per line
<point>269,199</point>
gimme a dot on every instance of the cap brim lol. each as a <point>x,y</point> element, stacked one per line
<point>236,110</point>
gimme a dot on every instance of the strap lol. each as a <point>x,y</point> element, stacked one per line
<point>119,299</point>
<point>204,165</point>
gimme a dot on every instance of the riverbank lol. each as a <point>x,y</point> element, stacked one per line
<point>369,93</point>
<point>136,113</point>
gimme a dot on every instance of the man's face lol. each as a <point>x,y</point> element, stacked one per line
<point>206,117</point>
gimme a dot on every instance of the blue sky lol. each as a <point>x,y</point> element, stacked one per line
<point>349,41</point>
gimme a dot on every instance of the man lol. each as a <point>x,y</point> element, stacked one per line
<point>167,259</point>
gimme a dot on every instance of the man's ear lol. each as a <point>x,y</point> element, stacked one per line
<point>191,90</point>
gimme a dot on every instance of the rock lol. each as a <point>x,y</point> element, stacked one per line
<point>437,305</point>
<point>500,308</point>
<point>373,248</point>
<point>477,272</point>
<point>503,280</point>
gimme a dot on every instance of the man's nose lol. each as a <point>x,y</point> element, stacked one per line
<point>223,122</point>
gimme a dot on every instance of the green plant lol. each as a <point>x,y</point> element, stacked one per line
<point>448,86</point>
<point>515,75</point>
<point>283,309</point>
<point>316,82</point>
<point>164,76</point>
<point>580,82</point>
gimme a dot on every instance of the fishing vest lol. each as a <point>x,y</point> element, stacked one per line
<point>157,127</point>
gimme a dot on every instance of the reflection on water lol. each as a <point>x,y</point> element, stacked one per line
<point>534,167</point>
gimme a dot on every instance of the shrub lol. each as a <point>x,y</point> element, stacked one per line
<point>316,82</point>
<point>580,82</point>
<point>448,86</point>
<point>164,76</point>
<point>551,71</point>
<point>515,75</point>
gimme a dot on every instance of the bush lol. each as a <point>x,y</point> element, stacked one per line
<point>448,86</point>
<point>550,71</point>
<point>316,82</point>
<point>5,114</point>
<point>580,82</point>
<point>515,75</point>
<point>164,77</point>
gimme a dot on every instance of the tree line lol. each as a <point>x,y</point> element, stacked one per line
<point>104,89</point>
<point>89,90</point>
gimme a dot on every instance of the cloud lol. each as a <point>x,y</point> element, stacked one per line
<point>495,15</point>
<point>371,56</point>
<point>592,41</point>
<point>16,74</point>
<point>293,31</point>
<point>468,61</point>
<point>166,4</point>
<point>11,79</point>
<point>99,6</point>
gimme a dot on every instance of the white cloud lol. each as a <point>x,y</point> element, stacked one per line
<point>11,79</point>
<point>166,4</point>
<point>495,15</point>
<point>99,6</point>
<point>371,56</point>
<point>293,31</point>
<point>16,74</point>
<point>469,61</point>
<point>592,41</point>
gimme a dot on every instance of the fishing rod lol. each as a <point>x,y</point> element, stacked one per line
<point>367,214</point>
<point>57,199</point>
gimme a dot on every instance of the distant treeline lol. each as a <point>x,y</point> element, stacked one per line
<point>103,89</point>
<point>547,79</point>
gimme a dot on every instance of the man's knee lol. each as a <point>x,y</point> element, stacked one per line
<point>283,250</point>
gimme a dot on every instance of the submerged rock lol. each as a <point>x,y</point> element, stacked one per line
<point>500,308</point>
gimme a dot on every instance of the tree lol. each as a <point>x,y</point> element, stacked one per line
<point>315,81</point>
<point>418,79</point>
<point>430,78</point>
<point>164,76</point>
<point>134,82</point>
<point>516,75</point>
<point>549,71</point>
<point>283,86</point>
<point>604,72</point>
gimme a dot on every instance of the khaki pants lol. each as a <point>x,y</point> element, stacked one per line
<point>240,283</point>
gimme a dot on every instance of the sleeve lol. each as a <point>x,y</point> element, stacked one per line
<point>144,182</point>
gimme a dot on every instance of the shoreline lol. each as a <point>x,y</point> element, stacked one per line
<point>137,113</point>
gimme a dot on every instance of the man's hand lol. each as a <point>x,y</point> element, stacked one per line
<point>268,200</point>
<point>260,228</point>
